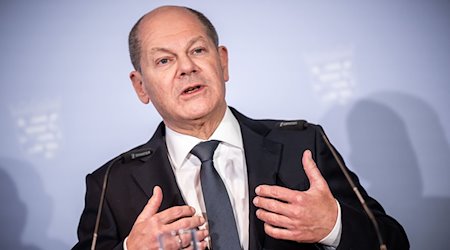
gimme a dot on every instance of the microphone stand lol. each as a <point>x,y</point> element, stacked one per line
<point>355,190</point>
<point>125,157</point>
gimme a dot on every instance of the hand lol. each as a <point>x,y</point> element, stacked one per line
<point>149,224</point>
<point>302,216</point>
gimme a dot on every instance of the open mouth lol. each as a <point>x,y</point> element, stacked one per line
<point>191,90</point>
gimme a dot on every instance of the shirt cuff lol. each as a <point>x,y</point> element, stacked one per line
<point>125,244</point>
<point>334,237</point>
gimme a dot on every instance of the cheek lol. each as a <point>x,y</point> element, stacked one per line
<point>160,92</point>
<point>156,93</point>
<point>221,73</point>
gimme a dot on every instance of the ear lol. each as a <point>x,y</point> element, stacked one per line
<point>138,85</point>
<point>223,55</point>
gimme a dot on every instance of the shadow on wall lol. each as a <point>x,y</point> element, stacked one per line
<point>13,215</point>
<point>427,136</point>
<point>383,151</point>
<point>21,220</point>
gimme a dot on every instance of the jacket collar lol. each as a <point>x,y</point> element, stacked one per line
<point>156,170</point>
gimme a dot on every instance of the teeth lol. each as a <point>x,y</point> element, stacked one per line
<point>190,89</point>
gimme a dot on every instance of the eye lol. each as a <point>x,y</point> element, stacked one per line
<point>198,51</point>
<point>162,61</point>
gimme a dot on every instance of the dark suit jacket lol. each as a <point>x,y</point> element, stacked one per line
<point>273,157</point>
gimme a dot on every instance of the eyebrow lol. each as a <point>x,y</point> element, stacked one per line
<point>190,43</point>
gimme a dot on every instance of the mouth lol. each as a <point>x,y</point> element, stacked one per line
<point>192,89</point>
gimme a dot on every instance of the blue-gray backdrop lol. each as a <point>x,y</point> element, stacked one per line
<point>375,74</point>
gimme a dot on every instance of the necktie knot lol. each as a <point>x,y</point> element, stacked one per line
<point>205,150</point>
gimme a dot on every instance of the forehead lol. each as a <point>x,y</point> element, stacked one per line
<point>172,25</point>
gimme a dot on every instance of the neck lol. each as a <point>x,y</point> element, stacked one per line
<point>201,128</point>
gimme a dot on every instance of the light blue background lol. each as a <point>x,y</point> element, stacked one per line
<point>375,74</point>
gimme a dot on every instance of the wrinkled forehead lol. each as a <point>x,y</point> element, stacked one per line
<point>169,22</point>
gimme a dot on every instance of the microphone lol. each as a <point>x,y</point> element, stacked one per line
<point>124,157</point>
<point>295,125</point>
<point>302,125</point>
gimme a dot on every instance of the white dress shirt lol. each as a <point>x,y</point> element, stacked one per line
<point>229,161</point>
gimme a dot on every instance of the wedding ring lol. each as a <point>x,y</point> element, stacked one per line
<point>180,242</point>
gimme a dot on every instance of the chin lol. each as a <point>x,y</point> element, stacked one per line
<point>197,114</point>
<point>199,111</point>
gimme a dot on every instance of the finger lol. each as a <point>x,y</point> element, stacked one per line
<point>169,241</point>
<point>274,219</point>
<point>285,234</point>
<point>272,205</point>
<point>202,244</point>
<point>153,204</point>
<point>312,172</point>
<point>278,233</point>
<point>202,238</point>
<point>174,213</point>
<point>188,237</point>
<point>276,192</point>
<point>185,239</point>
<point>185,223</point>
<point>202,234</point>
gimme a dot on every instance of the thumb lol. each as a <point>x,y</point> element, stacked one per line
<point>312,172</point>
<point>153,204</point>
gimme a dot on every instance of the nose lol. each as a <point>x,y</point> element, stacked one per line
<point>186,66</point>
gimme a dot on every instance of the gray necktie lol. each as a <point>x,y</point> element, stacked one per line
<point>222,226</point>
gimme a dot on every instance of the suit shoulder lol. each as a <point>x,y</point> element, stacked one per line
<point>289,126</point>
<point>292,132</point>
<point>119,160</point>
<point>151,146</point>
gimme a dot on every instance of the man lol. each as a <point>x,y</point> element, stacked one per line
<point>285,189</point>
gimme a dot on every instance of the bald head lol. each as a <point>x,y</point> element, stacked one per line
<point>134,40</point>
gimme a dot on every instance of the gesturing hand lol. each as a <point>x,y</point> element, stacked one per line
<point>149,224</point>
<point>302,216</point>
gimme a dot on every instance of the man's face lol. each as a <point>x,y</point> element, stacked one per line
<point>182,73</point>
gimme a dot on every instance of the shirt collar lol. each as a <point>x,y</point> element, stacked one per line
<point>179,145</point>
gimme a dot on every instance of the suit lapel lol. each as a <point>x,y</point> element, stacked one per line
<point>156,170</point>
<point>263,158</point>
